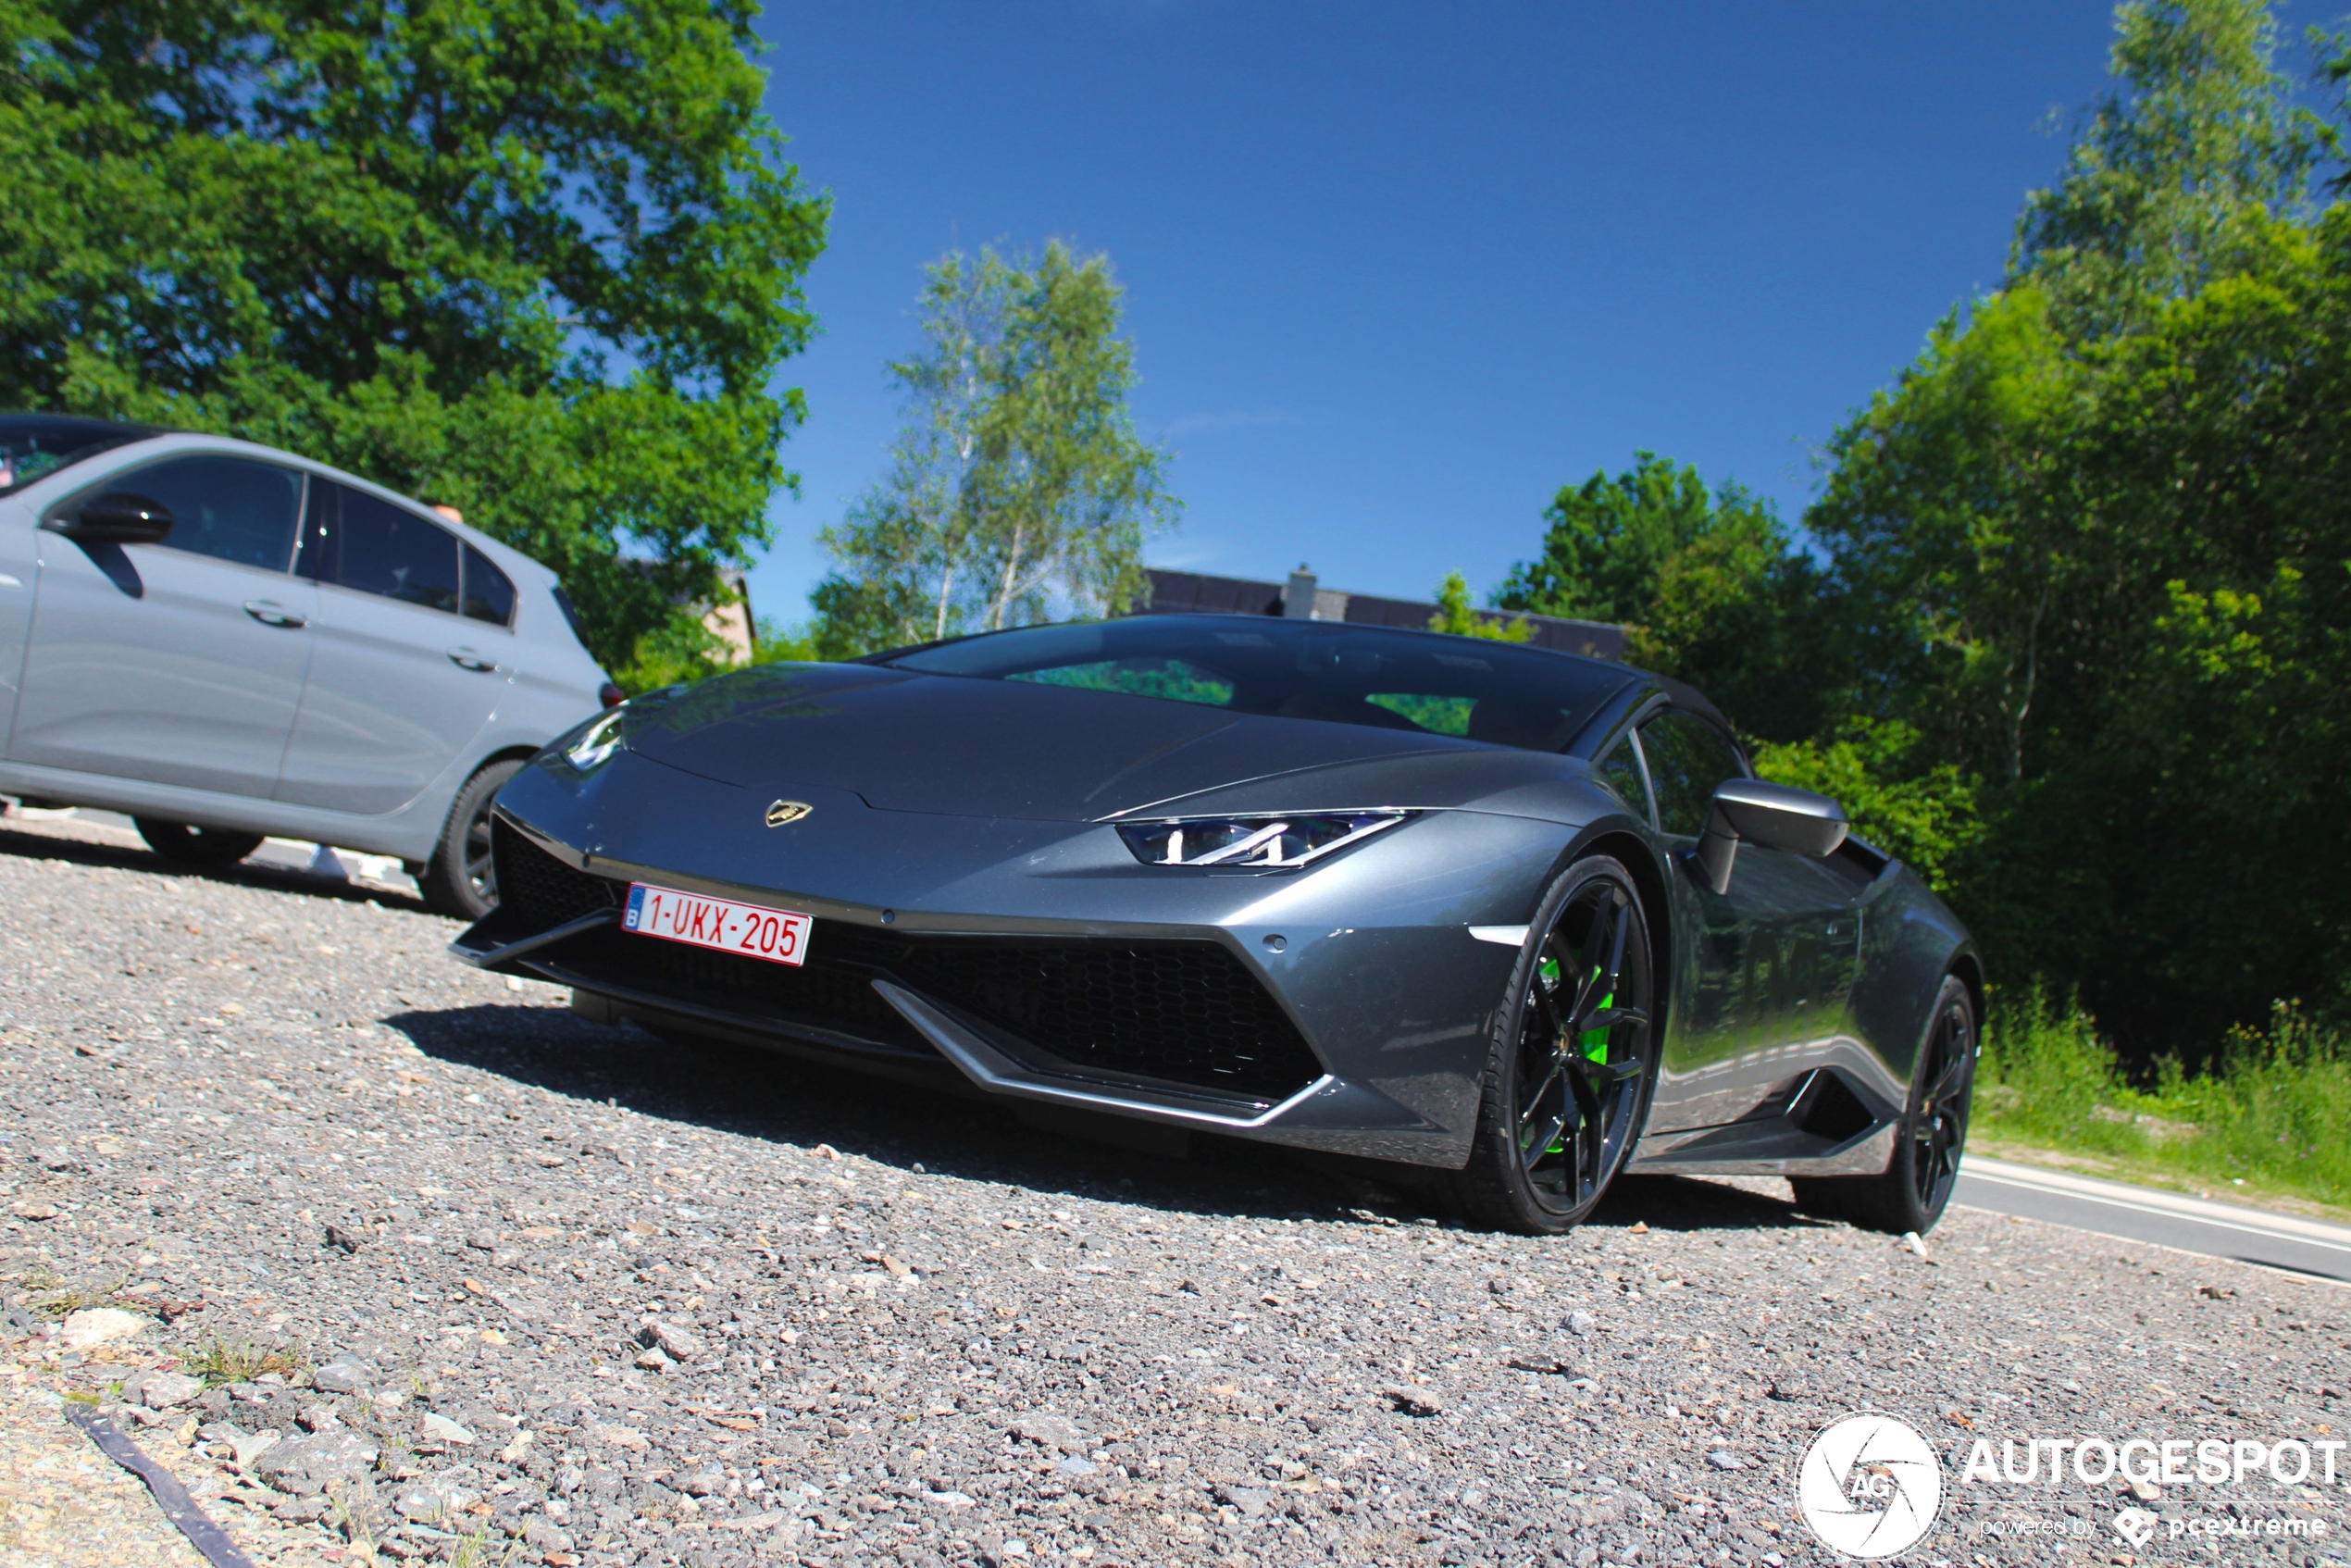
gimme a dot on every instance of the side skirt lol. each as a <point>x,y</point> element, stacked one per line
<point>1818,1127</point>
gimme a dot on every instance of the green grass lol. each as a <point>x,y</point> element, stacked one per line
<point>234,1361</point>
<point>74,1301</point>
<point>2271,1113</point>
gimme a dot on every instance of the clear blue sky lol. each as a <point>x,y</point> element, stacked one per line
<point>1397,272</point>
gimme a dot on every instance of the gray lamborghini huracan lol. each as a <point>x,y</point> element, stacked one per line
<point>1518,917</point>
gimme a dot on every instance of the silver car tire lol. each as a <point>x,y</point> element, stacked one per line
<point>461,879</point>
<point>189,845</point>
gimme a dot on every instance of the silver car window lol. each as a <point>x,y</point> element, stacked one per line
<point>390,550</point>
<point>230,508</point>
<point>490,593</point>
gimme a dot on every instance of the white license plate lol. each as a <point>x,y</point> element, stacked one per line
<point>780,936</point>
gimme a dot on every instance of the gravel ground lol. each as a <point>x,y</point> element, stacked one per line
<point>540,1290</point>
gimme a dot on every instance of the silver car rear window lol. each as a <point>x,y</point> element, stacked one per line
<point>33,446</point>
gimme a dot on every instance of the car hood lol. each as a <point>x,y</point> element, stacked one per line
<point>961,746</point>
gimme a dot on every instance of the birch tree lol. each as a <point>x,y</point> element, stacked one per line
<point>1019,489</point>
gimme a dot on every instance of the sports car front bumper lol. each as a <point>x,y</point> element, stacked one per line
<point>1342,1006</point>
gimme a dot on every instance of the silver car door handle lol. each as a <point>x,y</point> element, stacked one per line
<point>269,612</point>
<point>466,658</point>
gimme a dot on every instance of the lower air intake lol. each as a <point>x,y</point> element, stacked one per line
<point>1183,1013</point>
<point>535,890</point>
<point>823,994</point>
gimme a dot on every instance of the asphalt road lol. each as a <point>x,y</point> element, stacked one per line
<point>2169,1219</point>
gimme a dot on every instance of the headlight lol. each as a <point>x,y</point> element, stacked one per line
<point>1253,841</point>
<point>597,742</point>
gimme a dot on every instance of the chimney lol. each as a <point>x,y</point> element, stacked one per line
<point>1298,600</point>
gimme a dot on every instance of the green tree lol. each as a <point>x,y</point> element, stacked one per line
<point>1456,614</point>
<point>1743,615</point>
<point>536,258</point>
<point>2093,554</point>
<point>1709,582</point>
<point>1921,811</point>
<point>1018,489</point>
<point>1954,514</point>
<point>2177,171</point>
<point>1610,537</point>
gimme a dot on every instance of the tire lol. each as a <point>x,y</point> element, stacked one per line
<point>1917,1185</point>
<point>1555,1120</point>
<point>191,845</point>
<point>461,879</point>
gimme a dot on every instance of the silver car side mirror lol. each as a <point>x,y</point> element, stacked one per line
<point>1772,815</point>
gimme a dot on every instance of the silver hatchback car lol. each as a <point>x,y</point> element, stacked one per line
<point>227,641</point>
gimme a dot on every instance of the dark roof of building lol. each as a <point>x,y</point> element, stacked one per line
<point>1197,594</point>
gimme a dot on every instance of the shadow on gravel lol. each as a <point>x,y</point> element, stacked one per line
<point>786,1099</point>
<point>1688,1203</point>
<point>80,852</point>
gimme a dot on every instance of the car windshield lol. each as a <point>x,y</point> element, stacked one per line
<point>33,446</point>
<point>1438,685</point>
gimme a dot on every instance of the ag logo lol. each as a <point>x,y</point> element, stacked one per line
<point>1869,1487</point>
<point>2135,1524</point>
<point>782,812</point>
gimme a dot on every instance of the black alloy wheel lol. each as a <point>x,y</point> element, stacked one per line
<point>1570,1080</point>
<point>191,845</point>
<point>461,879</point>
<point>1924,1166</point>
<point>1939,1129</point>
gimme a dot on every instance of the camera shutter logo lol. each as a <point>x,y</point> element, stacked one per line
<point>1869,1487</point>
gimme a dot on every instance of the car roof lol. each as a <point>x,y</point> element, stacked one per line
<point>1685,696</point>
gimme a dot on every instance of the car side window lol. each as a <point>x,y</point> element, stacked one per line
<point>390,550</point>
<point>1687,758</point>
<point>229,508</point>
<point>490,593</point>
<point>1621,771</point>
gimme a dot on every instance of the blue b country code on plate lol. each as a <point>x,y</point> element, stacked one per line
<point>779,936</point>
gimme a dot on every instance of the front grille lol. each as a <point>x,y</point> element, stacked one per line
<point>1180,1012</point>
<point>821,994</point>
<point>535,890</point>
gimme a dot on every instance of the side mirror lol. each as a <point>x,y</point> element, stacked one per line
<point>1770,814</point>
<point>115,518</point>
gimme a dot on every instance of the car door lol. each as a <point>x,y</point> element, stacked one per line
<point>1768,964</point>
<point>178,663</point>
<point>19,570</point>
<point>401,679</point>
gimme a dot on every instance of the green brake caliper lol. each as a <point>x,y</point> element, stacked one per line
<point>1595,1044</point>
<point>1595,1040</point>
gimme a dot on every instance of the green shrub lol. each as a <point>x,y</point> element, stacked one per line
<point>1921,813</point>
<point>2271,1110</point>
